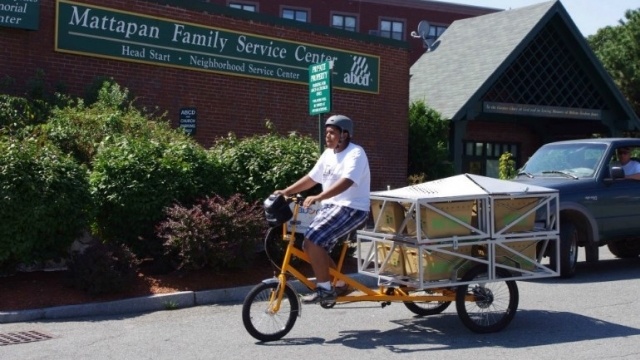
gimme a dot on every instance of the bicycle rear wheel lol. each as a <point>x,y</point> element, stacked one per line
<point>258,316</point>
<point>495,302</point>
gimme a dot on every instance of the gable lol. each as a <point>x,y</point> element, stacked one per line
<point>533,57</point>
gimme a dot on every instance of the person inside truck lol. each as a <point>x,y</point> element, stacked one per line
<point>631,167</point>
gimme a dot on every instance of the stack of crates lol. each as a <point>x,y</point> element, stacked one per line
<point>514,231</point>
<point>416,241</point>
<point>419,240</point>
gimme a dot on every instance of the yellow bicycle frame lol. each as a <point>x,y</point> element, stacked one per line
<point>361,292</point>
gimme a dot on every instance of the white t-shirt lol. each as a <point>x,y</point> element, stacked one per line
<point>630,168</point>
<point>350,163</point>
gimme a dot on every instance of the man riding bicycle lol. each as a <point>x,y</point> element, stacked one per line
<point>343,171</point>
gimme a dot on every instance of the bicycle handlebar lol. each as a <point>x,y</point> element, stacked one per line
<point>297,198</point>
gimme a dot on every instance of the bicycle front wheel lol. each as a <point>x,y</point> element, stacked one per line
<point>259,314</point>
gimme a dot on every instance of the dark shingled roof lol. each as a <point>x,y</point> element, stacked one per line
<point>467,54</point>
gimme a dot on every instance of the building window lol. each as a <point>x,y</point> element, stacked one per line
<point>343,22</point>
<point>242,6</point>
<point>392,29</point>
<point>294,14</point>
<point>483,158</point>
<point>435,31</point>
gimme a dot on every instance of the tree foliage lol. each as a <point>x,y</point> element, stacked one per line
<point>618,48</point>
<point>428,138</point>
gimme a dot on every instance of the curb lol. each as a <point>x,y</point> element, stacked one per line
<point>159,302</point>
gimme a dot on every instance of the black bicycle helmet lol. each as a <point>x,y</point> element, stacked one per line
<point>341,121</point>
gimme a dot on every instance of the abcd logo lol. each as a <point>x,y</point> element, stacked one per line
<point>360,73</point>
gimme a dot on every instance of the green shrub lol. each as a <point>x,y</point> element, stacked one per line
<point>103,268</point>
<point>103,86</point>
<point>44,201</point>
<point>134,179</point>
<point>215,233</point>
<point>18,112</point>
<point>79,129</point>
<point>32,109</point>
<point>507,167</point>
<point>258,165</point>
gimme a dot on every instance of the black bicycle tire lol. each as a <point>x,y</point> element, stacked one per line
<point>485,320</point>
<point>290,313</point>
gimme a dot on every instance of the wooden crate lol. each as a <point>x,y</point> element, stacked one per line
<point>507,211</point>
<point>527,249</point>
<point>435,225</point>
<point>437,265</point>
<point>403,261</point>
<point>392,216</point>
<point>396,261</point>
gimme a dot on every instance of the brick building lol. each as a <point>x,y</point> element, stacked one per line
<point>178,60</point>
<point>172,54</point>
<point>395,19</point>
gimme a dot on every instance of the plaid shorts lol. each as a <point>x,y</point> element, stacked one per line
<point>333,222</point>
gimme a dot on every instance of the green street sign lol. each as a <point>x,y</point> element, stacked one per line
<point>320,88</point>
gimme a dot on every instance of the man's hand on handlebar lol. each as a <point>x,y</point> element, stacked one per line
<point>307,201</point>
<point>310,200</point>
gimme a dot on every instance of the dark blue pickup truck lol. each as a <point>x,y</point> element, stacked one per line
<point>598,205</point>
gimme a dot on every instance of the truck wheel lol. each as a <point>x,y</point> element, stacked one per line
<point>624,249</point>
<point>568,250</point>
<point>592,253</point>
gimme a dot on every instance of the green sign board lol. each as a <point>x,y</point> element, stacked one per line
<point>541,111</point>
<point>109,33</point>
<point>22,14</point>
<point>320,88</point>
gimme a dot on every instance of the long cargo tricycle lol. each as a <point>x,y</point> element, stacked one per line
<point>428,245</point>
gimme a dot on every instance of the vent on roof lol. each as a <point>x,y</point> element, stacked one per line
<point>547,73</point>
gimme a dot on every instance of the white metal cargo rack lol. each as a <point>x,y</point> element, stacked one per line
<point>429,235</point>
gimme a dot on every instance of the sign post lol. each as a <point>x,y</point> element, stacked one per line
<point>320,93</point>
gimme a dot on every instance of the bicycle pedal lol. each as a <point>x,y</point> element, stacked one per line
<point>327,304</point>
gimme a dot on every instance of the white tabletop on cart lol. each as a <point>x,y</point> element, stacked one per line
<point>465,185</point>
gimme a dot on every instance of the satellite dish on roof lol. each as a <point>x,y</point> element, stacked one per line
<point>423,28</point>
<point>423,33</point>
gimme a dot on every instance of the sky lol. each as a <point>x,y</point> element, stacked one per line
<point>588,15</point>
